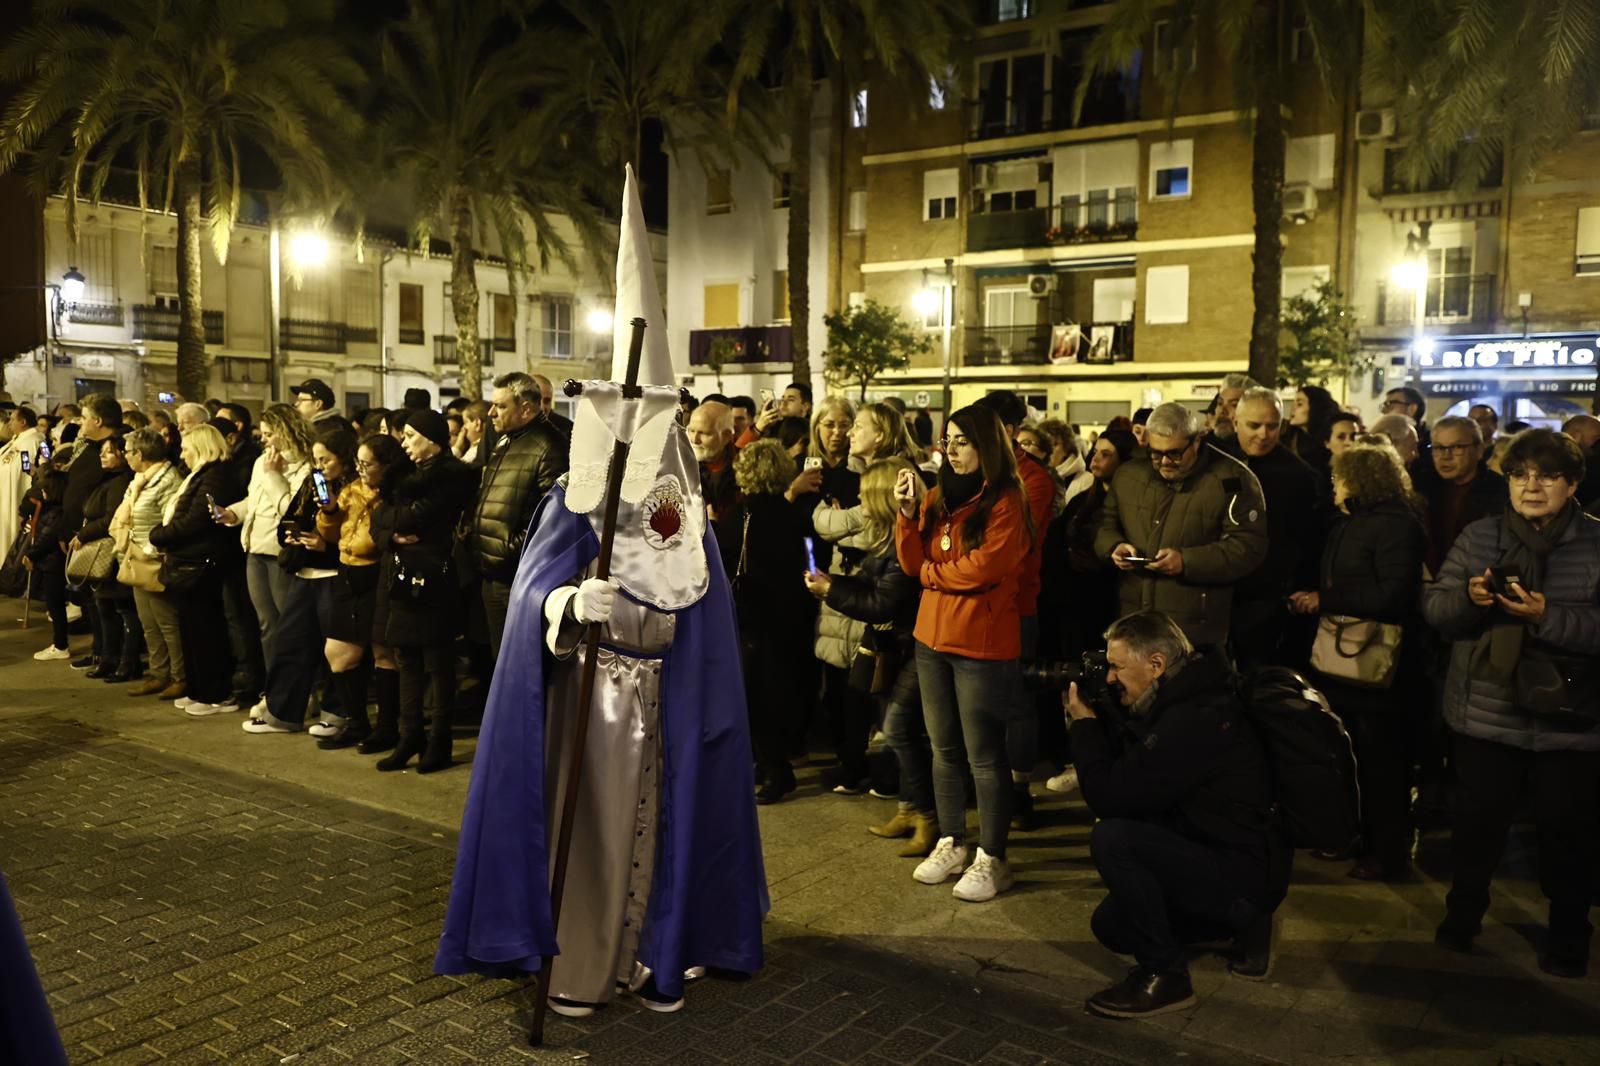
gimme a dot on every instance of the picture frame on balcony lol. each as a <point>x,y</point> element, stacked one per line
<point>1065,341</point>
<point>1102,339</point>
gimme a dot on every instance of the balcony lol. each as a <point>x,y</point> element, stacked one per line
<point>361,334</point>
<point>1110,100</point>
<point>1453,299</point>
<point>1102,218</point>
<point>153,323</point>
<point>1096,342</point>
<point>995,12</point>
<point>413,335</point>
<point>87,314</point>
<point>305,335</point>
<point>500,344</point>
<point>751,344</point>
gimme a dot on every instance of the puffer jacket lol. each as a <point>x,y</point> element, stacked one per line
<point>190,534</point>
<point>1372,563</point>
<point>1570,628</point>
<point>838,637</point>
<point>969,598</point>
<point>265,503</point>
<point>149,493</point>
<point>523,467</point>
<point>350,525</point>
<point>1217,518</point>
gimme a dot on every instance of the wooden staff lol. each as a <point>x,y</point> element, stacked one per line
<point>580,735</point>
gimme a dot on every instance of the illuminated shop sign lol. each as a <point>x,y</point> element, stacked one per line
<point>1508,386</point>
<point>1511,354</point>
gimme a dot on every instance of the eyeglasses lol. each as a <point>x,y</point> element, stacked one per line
<point>1449,450</point>
<point>1523,477</point>
<point>363,465</point>
<point>950,444</point>
<point>1392,405</point>
<point>1173,456</point>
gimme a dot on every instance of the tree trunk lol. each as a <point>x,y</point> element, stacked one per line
<point>464,297</point>
<point>1266,188</point>
<point>193,375</point>
<point>800,92</point>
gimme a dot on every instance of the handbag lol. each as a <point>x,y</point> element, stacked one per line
<point>874,669</point>
<point>1356,651</point>
<point>419,582</point>
<point>141,570</point>
<point>181,575</point>
<point>1556,686</point>
<point>93,561</point>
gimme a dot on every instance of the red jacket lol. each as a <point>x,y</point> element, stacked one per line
<point>969,602</point>
<point>1040,488</point>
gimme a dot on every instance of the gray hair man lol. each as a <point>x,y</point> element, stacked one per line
<point>1233,387</point>
<point>1262,630</point>
<point>1183,527</point>
<point>1457,486</point>
<point>529,456</point>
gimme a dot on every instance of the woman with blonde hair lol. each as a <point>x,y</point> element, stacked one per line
<point>884,598</point>
<point>880,431</point>
<point>192,547</point>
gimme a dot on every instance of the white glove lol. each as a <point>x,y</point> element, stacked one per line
<point>593,601</point>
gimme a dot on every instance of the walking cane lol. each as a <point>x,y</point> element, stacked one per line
<point>580,736</point>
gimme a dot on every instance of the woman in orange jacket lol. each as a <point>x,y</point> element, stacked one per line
<point>966,547</point>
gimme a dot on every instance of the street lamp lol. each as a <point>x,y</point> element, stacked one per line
<point>1411,272</point>
<point>926,301</point>
<point>599,320</point>
<point>72,286</point>
<point>308,249</point>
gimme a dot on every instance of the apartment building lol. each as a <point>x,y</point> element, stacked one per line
<point>372,323</point>
<point>1506,271</point>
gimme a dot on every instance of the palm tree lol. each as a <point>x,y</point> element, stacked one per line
<point>1249,37</point>
<point>909,43</point>
<point>460,123</point>
<point>177,92</point>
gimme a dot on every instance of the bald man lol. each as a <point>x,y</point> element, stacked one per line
<point>547,403</point>
<point>1402,431</point>
<point>1585,429</point>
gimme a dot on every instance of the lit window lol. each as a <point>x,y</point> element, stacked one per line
<point>1171,165</point>
<point>939,191</point>
<point>858,110</point>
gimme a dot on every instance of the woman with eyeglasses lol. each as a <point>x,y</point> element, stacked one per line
<point>966,543</point>
<point>1517,600</point>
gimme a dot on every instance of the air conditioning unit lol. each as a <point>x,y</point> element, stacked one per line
<point>1041,285</point>
<point>982,177</point>
<point>1376,124</point>
<point>1299,201</point>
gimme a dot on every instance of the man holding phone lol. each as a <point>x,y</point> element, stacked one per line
<point>1183,527</point>
<point>15,480</point>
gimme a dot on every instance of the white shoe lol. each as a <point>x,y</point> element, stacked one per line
<point>326,729</point>
<point>570,1008</point>
<point>52,653</point>
<point>183,703</point>
<point>74,613</point>
<point>694,973</point>
<point>948,857</point>
<point>260,709</point>
<point>196,709</point>
<point>985,879</point>
<point>266,725</point>
<point>1065,781</point>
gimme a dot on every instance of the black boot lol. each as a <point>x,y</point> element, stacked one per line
<point>1022,818</point>
<point>410,744</point>
<point>438,755</point>
<point>386,733</point>
<point>352,686</point>
<point>1143,994</point>
<point>413,735</point>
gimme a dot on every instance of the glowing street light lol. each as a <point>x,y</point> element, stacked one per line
<point>72,286</point>
<point>1410,273</point>
<point>308,249</point>
<point>926,301</point>
<point>599,320</point>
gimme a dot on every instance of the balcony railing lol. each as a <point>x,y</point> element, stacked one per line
<point>751,344</point>
<point>152,323</point>
<point>87,314</point>
<point>1451,298</point>
<point>361,334</point>
<point>1110,100</point>
<point>305,335</point>
<point>413,335</point>
<point>500,344</point>
<point>444,349</point>
<point>1094,342</point>
<point>1070,222</point>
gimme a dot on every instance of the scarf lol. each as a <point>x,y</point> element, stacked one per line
<point>959,488</point>
<point>1499,649</point>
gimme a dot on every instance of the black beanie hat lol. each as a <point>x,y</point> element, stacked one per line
<point>430,424</point>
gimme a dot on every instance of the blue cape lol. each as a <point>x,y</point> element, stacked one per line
<point>708,895</point>
<point>27,1030</point>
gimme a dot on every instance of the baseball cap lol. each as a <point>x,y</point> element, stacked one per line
<point>318,388</point>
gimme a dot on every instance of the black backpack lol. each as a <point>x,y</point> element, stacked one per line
<point>1309,757</point>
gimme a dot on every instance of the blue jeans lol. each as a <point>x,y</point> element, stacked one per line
<point>966,704</point>
<point>907,736</point>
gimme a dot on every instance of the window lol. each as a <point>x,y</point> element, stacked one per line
<point>722,306</point>
<point>1170,164</point>
<point>1588,241</point>
<point>1011,95</point>
<point>858,110</point>
<point>780,189</point>
<point>719,192</point>
<point>1309,161</point>
<point>780,296</point>
<point>1113,299</point>
<point>313,299</point>
<point>1166,295</point>
<point>1298,281</point>
<point>361,304</point>
<point>96,261</point>
<point>163,266</point>
<point>503,312</point>
<point>1012,186</point>
<point>941,89</point>
<point>1096,185</point>
<point>1449,283</point>
<point>939,190</point>
<point>555,313</point>
<point>412,330</point>
<point>1301,45</point>
<point>858,210</point>
<point>1167,51</point>
<point>1009,307</point>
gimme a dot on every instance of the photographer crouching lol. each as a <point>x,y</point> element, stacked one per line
<point>1186,843</point>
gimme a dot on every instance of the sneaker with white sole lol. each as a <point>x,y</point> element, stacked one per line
<point>570,1008</point>
<point>267,725</point>
<point>326,729</point>
<point>948,857</point>
<point>985,879</point>
<point>51,654</point>
<point>260,708</point>
<point>183,703</point>
<point>1065,781</point>
<point>196,709</point>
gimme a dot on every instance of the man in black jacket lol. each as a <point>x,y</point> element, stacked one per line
<point>1298,499</point>
<point>529,455</point>
<point>1185,844</point>
<point>102,417</point>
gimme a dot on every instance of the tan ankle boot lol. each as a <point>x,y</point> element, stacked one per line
<point>903,824</point>
<point>925,836</point>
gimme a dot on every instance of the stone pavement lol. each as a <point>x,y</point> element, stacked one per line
<point>196,893</point>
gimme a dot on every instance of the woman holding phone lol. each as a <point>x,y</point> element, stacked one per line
<point>966,544</point>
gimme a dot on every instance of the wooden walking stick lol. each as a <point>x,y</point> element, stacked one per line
<point>580,734</point>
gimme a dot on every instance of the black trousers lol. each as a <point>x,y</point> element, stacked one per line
<point>244,634</point>
<point>1166,891</point>
<point>774,705</point>
<point>203,628</point>
<point>1491,782</point>
<point>1383,742</point>
<point>496,604</point>
<point>421,668</point>
<point>51,585</point>
<point>850,718</point>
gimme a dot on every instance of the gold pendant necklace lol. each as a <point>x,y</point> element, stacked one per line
<point>944,540</point>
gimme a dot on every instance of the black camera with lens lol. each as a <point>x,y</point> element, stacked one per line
<point>1054,675</point>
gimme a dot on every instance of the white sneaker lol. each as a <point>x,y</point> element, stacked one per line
<point>1065,781</point>
<point>326,729</point>
<point>985,879</point>
<point>195,709</point>
<point>74,613</point>
<point>266,725</point>
<point>183,703</point>
<point>52,653</point>
<point>694,973</point>
<point>948,857</point>
<point>260,709</point>
<point>569,1008</point>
